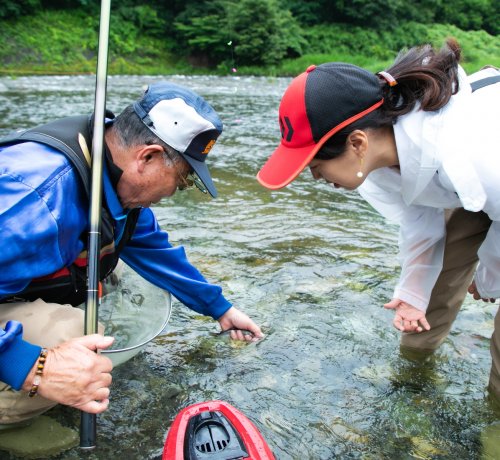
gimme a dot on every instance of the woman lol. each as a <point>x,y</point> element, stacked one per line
<point>423,148</point>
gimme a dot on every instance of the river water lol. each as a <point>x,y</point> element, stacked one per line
<point>313,266</point>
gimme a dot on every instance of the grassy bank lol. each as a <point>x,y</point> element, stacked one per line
<point>65,42</point>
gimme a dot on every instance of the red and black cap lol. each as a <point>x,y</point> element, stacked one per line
<point>317,104</point>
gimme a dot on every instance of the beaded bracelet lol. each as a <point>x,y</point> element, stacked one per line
<point>38,373</point>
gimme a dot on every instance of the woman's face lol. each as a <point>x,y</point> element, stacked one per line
<point>341,172</point>
<point>365,151</point>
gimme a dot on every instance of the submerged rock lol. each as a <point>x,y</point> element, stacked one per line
<point>425,448</point>
<point>43,438</point>
<point>490,442</point>
<point>344,431</point>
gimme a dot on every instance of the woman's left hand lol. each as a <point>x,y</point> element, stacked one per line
<point>475,293</point>
<point>234,318</point>
<point>407,318</point>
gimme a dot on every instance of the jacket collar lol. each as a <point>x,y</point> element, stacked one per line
<point>431,140</point>
<point>416,135</point>
<point>111,197</point>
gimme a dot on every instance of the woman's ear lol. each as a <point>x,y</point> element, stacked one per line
<point>357,141</point>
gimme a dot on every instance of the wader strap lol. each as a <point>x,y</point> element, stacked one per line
<point>485,82</point>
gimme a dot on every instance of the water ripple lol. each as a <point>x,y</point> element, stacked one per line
<point>314,266</point>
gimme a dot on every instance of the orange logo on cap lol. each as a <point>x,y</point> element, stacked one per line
<point>208,147</point>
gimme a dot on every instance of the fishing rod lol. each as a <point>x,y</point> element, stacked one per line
<point>88,430</point>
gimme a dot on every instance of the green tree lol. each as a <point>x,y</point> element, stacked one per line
<point>384,14</point>
<point>375,14</point>
<point>263,32</point>
<point>308,13</point>
<point>11,9</point>
<point>201,31</point>
<point>145,18</point>
<point>471,14</point>
<point>254,32</point>
<point>68,4</point>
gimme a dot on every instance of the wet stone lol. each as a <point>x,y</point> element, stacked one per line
<point>490,441</point>
<point>41,439</point>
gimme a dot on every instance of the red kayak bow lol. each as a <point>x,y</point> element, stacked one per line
<point>214,430</point>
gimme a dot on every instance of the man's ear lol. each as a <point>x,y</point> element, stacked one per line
<point>357,141</point>
<point>148,154</point>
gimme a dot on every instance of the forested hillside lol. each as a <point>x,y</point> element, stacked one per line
<point>272,37</point>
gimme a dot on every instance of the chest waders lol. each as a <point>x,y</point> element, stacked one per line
<point>72,136</point>
<point>485,82</point>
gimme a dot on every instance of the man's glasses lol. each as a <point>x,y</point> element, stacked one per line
<point>188,181</point>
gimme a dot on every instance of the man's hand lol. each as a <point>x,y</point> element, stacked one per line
<point>407,318</point>
<point>475,293</point>
<point>233,318</point>
<point>75,375</point>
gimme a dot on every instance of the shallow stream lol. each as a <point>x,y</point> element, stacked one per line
<point>313,266</point>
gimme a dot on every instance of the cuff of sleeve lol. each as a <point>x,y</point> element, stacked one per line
<point>219,307</point>
<point>410,298</point>
<point>17,361</point>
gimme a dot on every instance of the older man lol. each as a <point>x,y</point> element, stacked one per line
<point>153,148</point>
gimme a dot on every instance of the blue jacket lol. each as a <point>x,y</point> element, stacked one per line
<point>43,213</point>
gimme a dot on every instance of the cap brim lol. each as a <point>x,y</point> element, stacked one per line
<point>201,170</point>
<point>284,165</point>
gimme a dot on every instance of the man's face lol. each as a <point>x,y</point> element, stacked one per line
<point>149,178</point>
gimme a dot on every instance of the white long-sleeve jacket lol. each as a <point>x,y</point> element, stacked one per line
<point>448,159</point>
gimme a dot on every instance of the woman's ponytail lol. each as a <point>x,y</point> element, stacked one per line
<point>423,76</point>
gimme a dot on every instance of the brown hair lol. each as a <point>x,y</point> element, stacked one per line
<point>423,76</point>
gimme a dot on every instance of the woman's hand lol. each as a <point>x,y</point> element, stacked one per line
<point>75,375</point>
<point>475,293</point>
<point>407,318</point>
<point>234,318</point>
